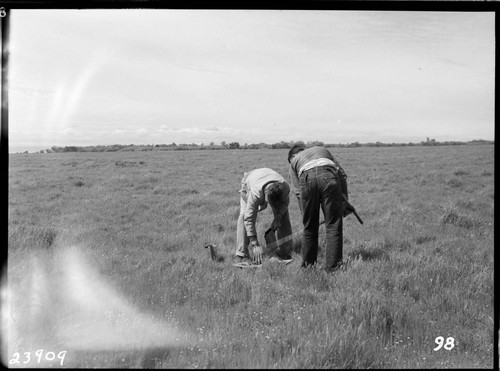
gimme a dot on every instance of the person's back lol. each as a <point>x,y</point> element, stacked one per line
<point>309,154</point>
<point>257,179</point>
<point>258,188</point>
<point>313,157</point>
<point>317,181</point>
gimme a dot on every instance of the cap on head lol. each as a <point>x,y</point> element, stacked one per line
<point>296,148</point>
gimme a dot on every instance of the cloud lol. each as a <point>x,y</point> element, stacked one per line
<point>299,69</point>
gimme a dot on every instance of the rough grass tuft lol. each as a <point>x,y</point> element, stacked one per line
<point>459,220</point>
<point>454,183</point>
<point>32,237</point>
<point>460,172</point>
<point>368,254</point>
<point>424,239</point>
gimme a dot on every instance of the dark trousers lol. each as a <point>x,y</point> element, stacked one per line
<point>320,186</point>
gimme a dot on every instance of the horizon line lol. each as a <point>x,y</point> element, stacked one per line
<point>227,144</point>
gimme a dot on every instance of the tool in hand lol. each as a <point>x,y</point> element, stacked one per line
<point>351,209</point>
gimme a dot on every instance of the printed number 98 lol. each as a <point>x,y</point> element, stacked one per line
<point>449,345</point>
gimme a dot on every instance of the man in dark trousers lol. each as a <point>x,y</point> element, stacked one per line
<point>318,180</point>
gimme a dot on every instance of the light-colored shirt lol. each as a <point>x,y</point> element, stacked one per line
<point>315,163</point>
<point>252,192</point>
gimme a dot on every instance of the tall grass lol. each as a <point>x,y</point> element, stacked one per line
<point>420,267</point>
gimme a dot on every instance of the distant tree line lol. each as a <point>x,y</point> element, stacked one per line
<point>237,145</point>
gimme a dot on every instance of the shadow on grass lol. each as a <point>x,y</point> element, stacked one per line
<point>151,358</point>
<point>154,358</point>
<point>368,254</point>
<point>359,252</point>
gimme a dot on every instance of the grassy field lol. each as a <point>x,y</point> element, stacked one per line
<point>107,262</point>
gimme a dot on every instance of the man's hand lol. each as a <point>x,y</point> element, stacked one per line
<point>257,254</point>
<point>256,249</point>
<point>346,209</point>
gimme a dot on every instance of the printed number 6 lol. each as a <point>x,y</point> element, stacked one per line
<point>2,12</point>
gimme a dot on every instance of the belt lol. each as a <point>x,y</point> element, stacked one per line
<point>316,168</point>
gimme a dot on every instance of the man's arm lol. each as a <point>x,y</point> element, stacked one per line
<point>250,216</point>
<point>249,219</point>
<point>342,176</point>
<point>294,182</point>
<point>343,181</point>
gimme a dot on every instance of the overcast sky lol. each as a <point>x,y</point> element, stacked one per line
<point>88,77</point>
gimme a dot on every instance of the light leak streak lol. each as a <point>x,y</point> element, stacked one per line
<point>60,302</point>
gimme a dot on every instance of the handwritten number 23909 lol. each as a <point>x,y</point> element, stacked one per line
<point>49,356</point>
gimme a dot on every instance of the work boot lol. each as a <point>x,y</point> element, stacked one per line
<point>242,259</point>
<point>338,266</point>
<point>283,255</point>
